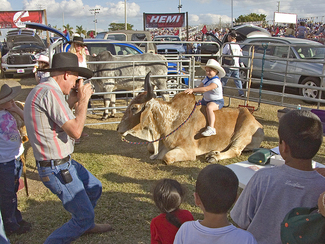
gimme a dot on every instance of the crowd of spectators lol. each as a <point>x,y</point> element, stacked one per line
<point>314,31</point>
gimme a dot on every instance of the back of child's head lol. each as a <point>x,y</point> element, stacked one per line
<point>168,194</point>
<point>217,188</point>
<point>302,131</point>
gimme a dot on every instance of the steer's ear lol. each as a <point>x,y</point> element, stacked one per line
<point>148,87</point>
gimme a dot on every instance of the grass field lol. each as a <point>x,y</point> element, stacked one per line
<point>127,175</point>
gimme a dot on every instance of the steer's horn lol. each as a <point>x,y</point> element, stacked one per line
<point>148,87</point>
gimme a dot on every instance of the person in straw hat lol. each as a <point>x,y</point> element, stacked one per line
<point>78,47</point>
<point>10,164</point>
<point>52,128</point>
<point>212,93</point>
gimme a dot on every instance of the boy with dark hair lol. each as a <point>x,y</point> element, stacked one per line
<point>216,191</point>
<point>271,193</point>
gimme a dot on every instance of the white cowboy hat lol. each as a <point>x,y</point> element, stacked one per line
<point>8,90</point>
<point>43,58</point>
<point>215,65</point>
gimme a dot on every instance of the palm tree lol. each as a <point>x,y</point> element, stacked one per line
<point>68,28</point>
<point>81,30</point>
<point>56,27</point>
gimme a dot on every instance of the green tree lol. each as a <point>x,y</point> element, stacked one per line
<point>119,26</point>
<point>80,30</point>
<point>68,28</point>
<point>250,18</point>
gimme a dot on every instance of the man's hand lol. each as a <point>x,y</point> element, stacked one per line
<point>84,91</point>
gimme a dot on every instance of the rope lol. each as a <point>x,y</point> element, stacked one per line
<point>162,138</point>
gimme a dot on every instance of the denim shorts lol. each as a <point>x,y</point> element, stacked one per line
<point>220,102</point>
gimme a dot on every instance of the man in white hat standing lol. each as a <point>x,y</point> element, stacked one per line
<point>11,148</point>
<point>52,128</point>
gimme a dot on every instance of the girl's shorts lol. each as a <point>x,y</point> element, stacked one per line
<point>220,102</point>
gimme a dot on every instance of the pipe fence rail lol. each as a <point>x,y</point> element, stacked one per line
<point>279,75</point>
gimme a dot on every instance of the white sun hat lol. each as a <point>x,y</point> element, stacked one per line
<point>215,65</point>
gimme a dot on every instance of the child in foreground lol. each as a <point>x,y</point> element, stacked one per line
<point>168,195</point>
<point>216,191</point>
<point>212,93</point>
<point>11,148</point>
<point>271,193</point>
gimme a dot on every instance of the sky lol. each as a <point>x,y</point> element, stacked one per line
<point>200,12</point>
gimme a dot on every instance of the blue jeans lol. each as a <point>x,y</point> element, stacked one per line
<point>219,102</point>
<point>10,173</point>
<point>79,197</point>
<point>235,74</point>
<point>3,237</point>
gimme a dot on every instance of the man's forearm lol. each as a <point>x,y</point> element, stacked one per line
<point>81,112</point>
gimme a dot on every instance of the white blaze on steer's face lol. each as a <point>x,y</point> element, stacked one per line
<point>130,122</point>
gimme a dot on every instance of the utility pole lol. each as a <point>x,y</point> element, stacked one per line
<point>126,23</point>
<point>96,11</point>
<point>278,6</point>
<point>180,10</point>
<point>232,14</point>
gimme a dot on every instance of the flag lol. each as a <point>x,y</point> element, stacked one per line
<point>91,34</point>
<point>204,30</point>
<point>277,30</point>
<point>177,33</point>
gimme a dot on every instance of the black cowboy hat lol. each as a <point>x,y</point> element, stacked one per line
<point>68,62</point>
<point>77,39</point>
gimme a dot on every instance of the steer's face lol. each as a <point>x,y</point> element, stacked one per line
<point>133,121</point>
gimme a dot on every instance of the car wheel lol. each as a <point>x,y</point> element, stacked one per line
<point>172,82</point>
<point>243,76</point>
<point>309,92</point>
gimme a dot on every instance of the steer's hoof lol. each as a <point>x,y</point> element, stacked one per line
<point>211,154</point>
<point>153,156</point>
<point>211,160</point>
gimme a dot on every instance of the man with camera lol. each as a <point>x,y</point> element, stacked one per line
<point>52,129</point>
<point>232,70</point>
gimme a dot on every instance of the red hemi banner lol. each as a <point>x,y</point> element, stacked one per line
<point>14,19</point>
<point>164,20</point>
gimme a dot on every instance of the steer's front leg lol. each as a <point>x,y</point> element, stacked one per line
<point>179,154</point>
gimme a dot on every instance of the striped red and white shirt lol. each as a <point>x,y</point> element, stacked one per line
<point>45,112</point>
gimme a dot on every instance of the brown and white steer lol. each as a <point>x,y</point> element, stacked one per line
<point>148,118</point>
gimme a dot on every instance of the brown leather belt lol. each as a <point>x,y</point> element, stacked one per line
<point>56,162</point>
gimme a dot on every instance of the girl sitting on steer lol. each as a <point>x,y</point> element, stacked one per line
<point>212,93</point>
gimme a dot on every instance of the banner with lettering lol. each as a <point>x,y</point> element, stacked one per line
<point>164,20</point>
<point>15,19</point>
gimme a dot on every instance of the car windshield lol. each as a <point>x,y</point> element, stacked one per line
<point>27,46</point>
<point>117,37</point>
<point>169,38</point>
<point>308,52</point>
